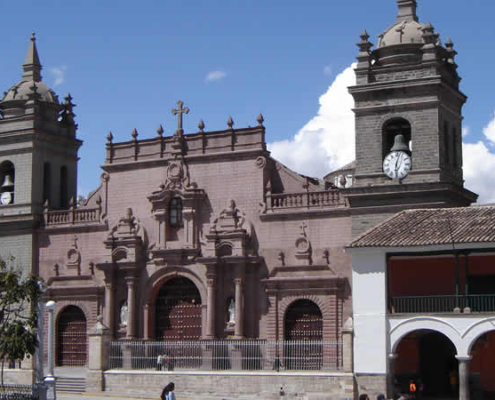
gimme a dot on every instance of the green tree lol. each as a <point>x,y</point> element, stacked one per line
<point>18,314</point>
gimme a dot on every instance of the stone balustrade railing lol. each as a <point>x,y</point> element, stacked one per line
<point>72,216</point>
<point>323,199</point>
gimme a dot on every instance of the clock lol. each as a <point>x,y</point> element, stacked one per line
<point>6,198</point>
<point>397,164</point>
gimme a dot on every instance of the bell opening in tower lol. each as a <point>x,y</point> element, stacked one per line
<point>392,128</point>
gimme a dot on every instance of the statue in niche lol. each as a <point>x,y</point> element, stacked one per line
<point>231,312</point>
<point>123,314</point>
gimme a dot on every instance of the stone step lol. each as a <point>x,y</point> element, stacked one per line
<point>73,385</point>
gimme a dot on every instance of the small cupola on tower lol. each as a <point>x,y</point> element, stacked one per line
<point>31,95</point>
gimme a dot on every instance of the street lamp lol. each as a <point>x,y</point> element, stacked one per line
<point>50,379</point>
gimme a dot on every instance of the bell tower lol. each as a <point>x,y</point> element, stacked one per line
<point>408,109</point>
<point>38,144</point>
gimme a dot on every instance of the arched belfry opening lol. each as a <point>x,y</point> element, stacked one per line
<point>178,311</point>
<point>303,322</point>
<point>392,128</point>
<point>7,183</point>
<point>72,348</point>
<point>427,357</point>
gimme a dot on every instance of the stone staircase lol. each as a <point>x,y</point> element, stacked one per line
<point>71,385</point>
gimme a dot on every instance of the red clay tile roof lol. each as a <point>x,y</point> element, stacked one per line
<point>426,227</point>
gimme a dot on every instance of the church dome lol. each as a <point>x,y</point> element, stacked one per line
<point>404,32</point>
<point>15,101</point>
<point>24,88</point>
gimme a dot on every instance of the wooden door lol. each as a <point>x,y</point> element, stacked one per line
<point>72,338</point>
<point>178,311</point>
<point>304,335</point>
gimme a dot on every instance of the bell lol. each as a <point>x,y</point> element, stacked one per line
<point>400,144</point>
<point>7,181</point>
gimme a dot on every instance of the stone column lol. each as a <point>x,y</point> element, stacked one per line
<point>211,306</point>
<point>131,303</point>
<point>347,349</point>
<point>146,320</point>
<point>98,356</point>
<point>109,303</point>
<point>391,375</point>
<point>463,377</point>
<point>239,308</point>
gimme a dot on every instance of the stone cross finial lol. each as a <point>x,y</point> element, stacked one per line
<point>180,111</point>
<point>303,228</point>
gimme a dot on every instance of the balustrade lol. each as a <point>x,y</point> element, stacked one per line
<point>328,198</point>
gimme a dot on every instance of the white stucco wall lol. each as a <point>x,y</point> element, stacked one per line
<point>369,311</point>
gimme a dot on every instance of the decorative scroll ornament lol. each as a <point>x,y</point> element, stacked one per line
<point>177,176</point>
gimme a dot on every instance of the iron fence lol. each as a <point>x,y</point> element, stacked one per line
<point>18,392</point>
<point>245,355</point>
<point>442,304</point>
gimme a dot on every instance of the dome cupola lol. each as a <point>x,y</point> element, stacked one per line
<point>22,96</point>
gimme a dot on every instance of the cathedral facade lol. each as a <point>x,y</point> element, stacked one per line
<point>203,235</point>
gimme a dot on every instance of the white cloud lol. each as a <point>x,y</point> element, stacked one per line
<point>326,142</point>
<point>466,130</point>
<point>489,131</point>
<point>479,165</point>
<point>215,76</point>
<point>327,70</point>
<point>58,74</point>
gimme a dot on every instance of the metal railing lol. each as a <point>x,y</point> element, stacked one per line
<point>18,392</point>
<point>442,304</point>
<point>245,355</point>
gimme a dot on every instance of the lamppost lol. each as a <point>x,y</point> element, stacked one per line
<point>39,384</point>
<point>50,379</point>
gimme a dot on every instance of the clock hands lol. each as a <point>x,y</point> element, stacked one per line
<point>398,163</point>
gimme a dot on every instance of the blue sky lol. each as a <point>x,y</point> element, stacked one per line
<point>127,63</point>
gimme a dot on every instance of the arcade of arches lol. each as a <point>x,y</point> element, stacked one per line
<point>429,357</point>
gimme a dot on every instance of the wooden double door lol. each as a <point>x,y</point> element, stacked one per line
<point>72,339</point>
<point>178,311</point>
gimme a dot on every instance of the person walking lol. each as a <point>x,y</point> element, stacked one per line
<point>168,392</point>
<point>412,389</point>
<point>364,396</point>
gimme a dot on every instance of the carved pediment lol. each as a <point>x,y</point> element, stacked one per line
<point>229,234</point>
<point>126,239</point>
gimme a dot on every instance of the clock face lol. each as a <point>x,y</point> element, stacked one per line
<point>6,198</point>
<point>397,165</point>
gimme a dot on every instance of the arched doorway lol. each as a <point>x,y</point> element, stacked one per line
<point>482,367</point>
<point>178,311</point>
<point>72,338</point>
<point>303,323</point>
<point>427,357</point>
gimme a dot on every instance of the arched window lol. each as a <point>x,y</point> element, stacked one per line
<point>454,148</point>
<point>47,182</point>
<point>7,183</point>
<point>175,212</point>
<point>64,188</point>
<point>391,129</point>
<point>446,142</point>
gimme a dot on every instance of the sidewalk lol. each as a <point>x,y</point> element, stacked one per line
<point>87,396</point>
